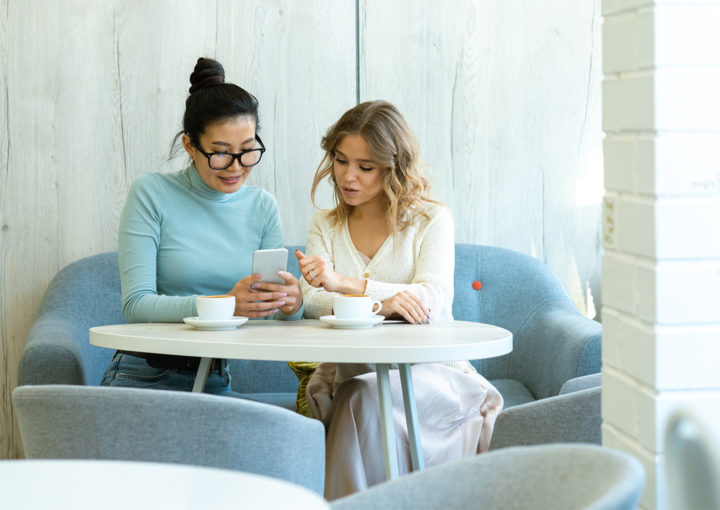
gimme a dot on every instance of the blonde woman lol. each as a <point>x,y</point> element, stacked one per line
<point>386,238</point>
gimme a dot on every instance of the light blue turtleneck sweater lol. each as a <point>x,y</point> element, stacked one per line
<point>179,238</point>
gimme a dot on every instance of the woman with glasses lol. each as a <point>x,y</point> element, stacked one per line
<point>386,238</point>
<point>193,233</point>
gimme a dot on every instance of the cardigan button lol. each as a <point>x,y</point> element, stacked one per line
<point>476,285</point>
<point>366,275</point>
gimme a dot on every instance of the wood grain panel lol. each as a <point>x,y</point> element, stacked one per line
<point>49,205</point>
<point>573,173</point>
<point>503,98</point>
<point>298,58</point>
<point>454,73</point>
<point>95,93</point>
<point>155,47</point>
<point>8,432</point>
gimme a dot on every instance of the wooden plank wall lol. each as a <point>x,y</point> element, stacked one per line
<point>505,100</point>
<point>504,97</point>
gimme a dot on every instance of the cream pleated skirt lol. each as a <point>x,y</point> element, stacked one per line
<point>456,414</point>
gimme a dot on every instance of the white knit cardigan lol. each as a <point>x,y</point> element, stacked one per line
<point>420,259</point>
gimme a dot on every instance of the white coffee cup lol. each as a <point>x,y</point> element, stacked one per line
<point>215,308</point>
<point>355,306</point>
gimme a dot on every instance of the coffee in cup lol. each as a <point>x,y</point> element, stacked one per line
<point>215,308</point>
<point>355,306</point>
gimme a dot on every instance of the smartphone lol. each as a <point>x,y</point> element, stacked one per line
<point>269,262</point>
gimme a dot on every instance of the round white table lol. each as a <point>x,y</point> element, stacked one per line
<point>111,485</point>
<point>312,340</point>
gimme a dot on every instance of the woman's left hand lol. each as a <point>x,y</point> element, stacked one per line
<point>293,300</point>
<point>406,305</point>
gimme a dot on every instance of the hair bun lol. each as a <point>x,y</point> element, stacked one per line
<point>207,73</point>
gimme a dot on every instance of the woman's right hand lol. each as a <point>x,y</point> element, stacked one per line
<point>253,303</point>
<point>317,272</point>
<point>406,305</point>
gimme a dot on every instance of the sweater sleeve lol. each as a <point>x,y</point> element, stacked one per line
<point>433,281</point>
<point>138,242</point>
<point>318,302</point>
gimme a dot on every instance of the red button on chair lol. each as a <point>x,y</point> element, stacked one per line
<point>476,285</point>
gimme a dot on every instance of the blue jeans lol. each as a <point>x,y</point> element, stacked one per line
<point>129,371</point>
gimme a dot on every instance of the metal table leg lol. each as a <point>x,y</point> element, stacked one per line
<point>202,375</point>
<point>416,454</point>
<point>386,420</point>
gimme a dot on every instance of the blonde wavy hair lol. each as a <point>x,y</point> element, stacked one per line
<point>394,146</point>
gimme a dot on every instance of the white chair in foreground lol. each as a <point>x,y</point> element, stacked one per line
<point>556,476</point>
<point>692,463</point>
<point>90,422</point>
<point>82,484</point>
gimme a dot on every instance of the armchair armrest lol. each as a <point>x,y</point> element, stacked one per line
<point>582,383</point>
<point>555,344</point>
<point>568,418</point>
<point>51,354</point>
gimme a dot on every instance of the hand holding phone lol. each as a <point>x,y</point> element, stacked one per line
<point>269,262</point>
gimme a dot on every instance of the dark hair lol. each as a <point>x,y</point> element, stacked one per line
<point>212,100</point>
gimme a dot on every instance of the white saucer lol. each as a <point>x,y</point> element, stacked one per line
<point>352,323</point>
<point>233,323</point>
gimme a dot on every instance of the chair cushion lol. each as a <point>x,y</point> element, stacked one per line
<point>513,392</point>
<point>255,376</point>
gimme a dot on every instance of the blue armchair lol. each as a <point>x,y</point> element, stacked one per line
<point>552,345</point>
<point>552,341</point>
<point>550,381</point>
<point>546,476</point>
<point>89,422</point>
<point>86,293</point>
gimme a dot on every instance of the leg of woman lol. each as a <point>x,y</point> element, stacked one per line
<point>354,457</point>
<point>129,371</point>
<point>218,383</point>
<point>456,413</point>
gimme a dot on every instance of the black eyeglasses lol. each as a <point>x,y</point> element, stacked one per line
<point>223,160</point>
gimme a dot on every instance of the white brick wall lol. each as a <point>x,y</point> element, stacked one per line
<point>669,227</point>
<point>628,102</point>
<point>661,223</point>
<point>662,357</point>
<point>663,164</point>
<point>635,408</point>
<point>655,478</point>
<point>680,293</point>
<point>666,34</point>
<point>686,34</point>
<point>662,99</point>
<point>628,41</point>
<point>631,413</point>
<point>622,6</point>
